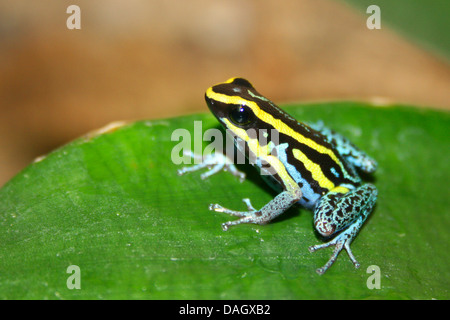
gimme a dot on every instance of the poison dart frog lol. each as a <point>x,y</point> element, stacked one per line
<point>308,164</point>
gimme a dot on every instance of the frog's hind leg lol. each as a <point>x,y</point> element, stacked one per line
<point>358,158</point>
<point>342,211</point>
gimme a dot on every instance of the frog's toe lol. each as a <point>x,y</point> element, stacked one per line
<point>215,162</point>
<point>212,171</point>
<point>340,242</point>
<point>230,167</point>
<point>251,216</point>
<point>249,205</point>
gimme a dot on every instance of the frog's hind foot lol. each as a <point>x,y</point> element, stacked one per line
<point>342,241</point>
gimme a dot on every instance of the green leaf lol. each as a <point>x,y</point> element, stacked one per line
<point>113,204</point>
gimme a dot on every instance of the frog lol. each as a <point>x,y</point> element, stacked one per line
<point>307,164</point>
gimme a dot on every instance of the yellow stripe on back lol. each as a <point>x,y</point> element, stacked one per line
<point>315,169</point>
<point>340,189</point>
<point>276,123</point>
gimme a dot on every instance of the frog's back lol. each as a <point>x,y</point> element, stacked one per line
<point>313,161</point>
<point>310,158</point>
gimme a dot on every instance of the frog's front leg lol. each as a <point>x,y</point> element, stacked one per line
<point>342,210</point>
<point>274,208</point>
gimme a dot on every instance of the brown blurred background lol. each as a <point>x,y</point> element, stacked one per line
<point>150,59</point>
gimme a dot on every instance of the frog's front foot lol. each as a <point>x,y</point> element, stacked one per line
<point>342,241</point>
<point>214,162</point>
<point>274,208</point>
<point>250,216</point>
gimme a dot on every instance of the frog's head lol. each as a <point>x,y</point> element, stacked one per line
<point>245,113</point>
<point>232,100</point>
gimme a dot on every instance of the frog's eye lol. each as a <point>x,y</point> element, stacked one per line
<point>242,115</point>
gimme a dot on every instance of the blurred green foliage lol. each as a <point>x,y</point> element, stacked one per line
<point>427,23</point>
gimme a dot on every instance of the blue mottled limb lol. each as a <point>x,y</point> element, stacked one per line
<point>274,208</point>
<point>344,213</point>
<point>348,150</point>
